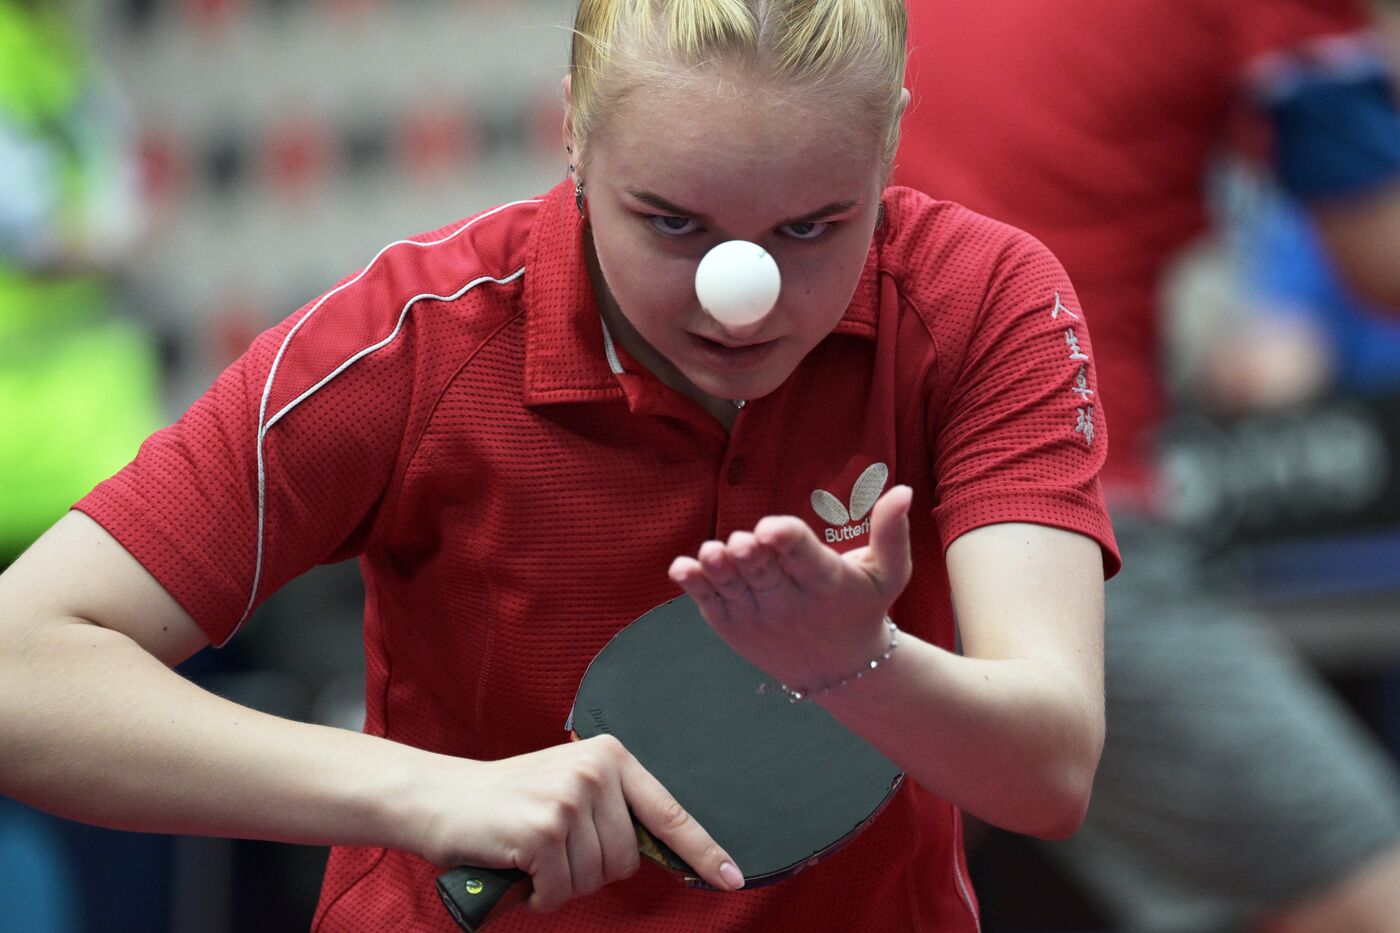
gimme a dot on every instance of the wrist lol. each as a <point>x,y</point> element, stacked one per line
<point>396,799</point>
<point>818,688</point>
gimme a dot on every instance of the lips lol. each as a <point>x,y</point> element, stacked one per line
<point>732,356</point>
<point>725,345</point>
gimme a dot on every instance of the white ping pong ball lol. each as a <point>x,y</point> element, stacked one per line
<point>737,283</point>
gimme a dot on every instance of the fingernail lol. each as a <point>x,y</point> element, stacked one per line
<point>731,875</point>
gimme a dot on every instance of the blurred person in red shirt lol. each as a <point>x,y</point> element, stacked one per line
<point>1090,124</point>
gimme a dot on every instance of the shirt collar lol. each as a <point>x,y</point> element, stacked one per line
<point>564,355</point>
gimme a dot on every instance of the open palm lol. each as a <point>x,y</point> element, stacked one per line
<point>795,607</point>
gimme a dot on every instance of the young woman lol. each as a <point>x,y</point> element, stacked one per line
<point>529,431</point>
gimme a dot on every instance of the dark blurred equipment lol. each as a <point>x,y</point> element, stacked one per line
<point>1325,469</point>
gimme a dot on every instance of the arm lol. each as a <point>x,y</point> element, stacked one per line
<point>1362,236</point>
<point>94,726</point>
<point>97,728</point>
<point>1011,732</point>
<point>1015,726</point>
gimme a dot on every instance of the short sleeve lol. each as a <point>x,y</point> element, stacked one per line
<point>278,467</point>
<point>1022,436</point>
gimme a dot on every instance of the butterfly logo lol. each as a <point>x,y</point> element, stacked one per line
<point>851,522</point>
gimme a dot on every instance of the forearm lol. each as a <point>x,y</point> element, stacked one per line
<point>94,728</point>
<point>1360,234</point>
<point>1014,742</point>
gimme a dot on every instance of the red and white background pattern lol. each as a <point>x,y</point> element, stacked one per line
<point>283,142</point>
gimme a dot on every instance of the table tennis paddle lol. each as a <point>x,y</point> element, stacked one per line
<point>778,785</point>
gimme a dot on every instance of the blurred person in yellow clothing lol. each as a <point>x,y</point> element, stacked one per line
<point>79,385</point>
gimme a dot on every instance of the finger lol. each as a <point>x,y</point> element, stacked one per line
<point>890,564</point>
<point>721,572</point>
<point>668,821</point>
<point>616,837</point>
<point>551,883</point>
<point>585,853</point>
<point>687,573</point>
<point>757,564</point>
<point>807,561</point>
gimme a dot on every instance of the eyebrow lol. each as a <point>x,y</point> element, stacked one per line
<point>661,204</point>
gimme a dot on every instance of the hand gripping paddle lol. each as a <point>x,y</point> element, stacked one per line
<point>778,785</point>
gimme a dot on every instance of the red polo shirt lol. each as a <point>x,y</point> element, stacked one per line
<point>1089,124</point>
<point>450,416</point>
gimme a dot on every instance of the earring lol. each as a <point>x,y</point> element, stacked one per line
<point>578,197</point>
<point>880,216</point>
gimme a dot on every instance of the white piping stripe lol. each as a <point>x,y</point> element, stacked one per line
<point>962,882</point>
<point>277,361</point>
<point>613,362</point>
<point>403,315</point>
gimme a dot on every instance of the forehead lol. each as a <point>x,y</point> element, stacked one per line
<point>722,138</point>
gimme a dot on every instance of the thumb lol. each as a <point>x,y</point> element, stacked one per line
<point>890,561</point>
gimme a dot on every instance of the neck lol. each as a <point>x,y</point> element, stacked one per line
<point>723,410</point>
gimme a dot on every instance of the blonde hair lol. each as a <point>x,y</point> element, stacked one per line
<point>826,45</point>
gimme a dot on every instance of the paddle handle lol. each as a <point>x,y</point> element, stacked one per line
<point>476,896</point>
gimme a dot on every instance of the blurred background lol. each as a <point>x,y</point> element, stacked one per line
<point>177,175</point>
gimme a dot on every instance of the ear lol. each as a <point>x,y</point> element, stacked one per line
<point>570,142</point>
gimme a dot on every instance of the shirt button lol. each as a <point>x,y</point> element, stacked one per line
<point>736,471</point>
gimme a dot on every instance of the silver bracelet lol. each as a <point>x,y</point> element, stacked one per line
<point>806,694</point>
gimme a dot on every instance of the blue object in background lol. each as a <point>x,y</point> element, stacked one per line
<point>1285,264</point>
<point>57,876</point>
<point>37,870</point>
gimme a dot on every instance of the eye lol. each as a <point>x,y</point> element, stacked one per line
<point>672,225</point>
<point>805,231</point>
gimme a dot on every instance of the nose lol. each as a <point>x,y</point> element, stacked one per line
<point>737,283</point>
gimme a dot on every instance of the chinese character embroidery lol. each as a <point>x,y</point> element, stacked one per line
<point>1081,385</point>
<point>1086,424</point>
<point>1073,340</point>
<point>1060,306</point>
